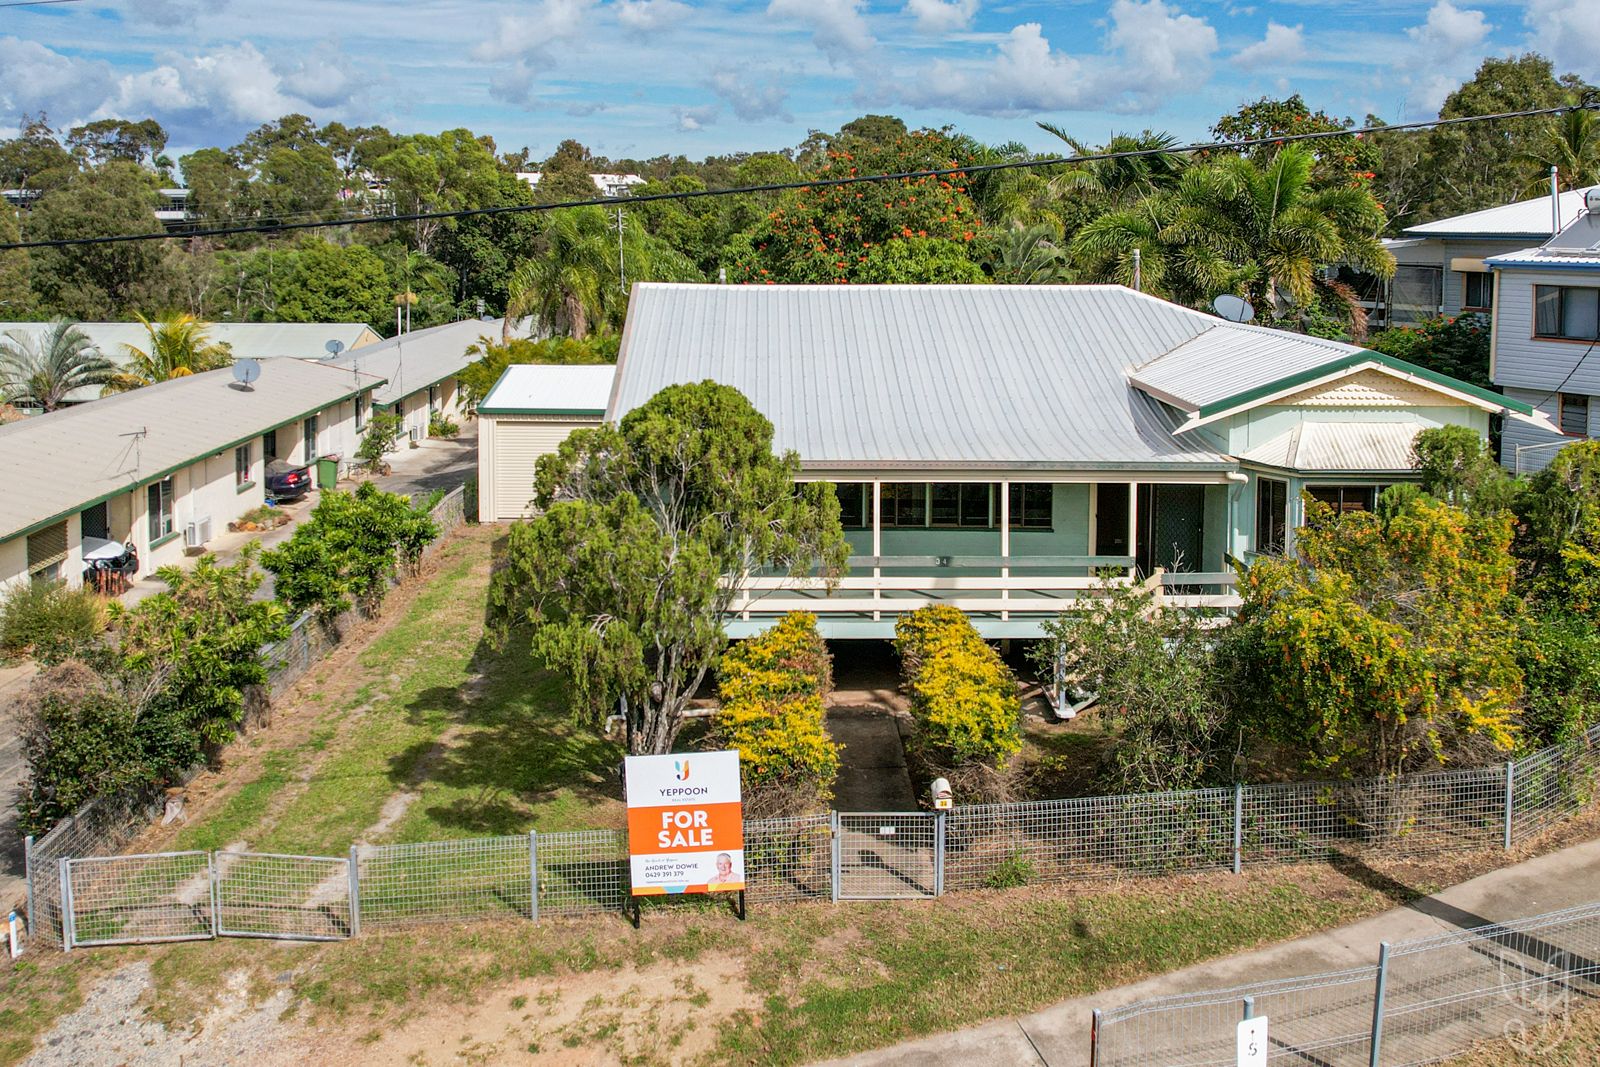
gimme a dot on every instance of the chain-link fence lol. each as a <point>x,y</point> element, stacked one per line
<point>1419,1002</point>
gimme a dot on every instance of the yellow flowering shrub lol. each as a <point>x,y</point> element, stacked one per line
<point>963,696</point>
<point>771,688</point>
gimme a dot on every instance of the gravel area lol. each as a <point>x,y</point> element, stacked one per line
<point>111,1030</point>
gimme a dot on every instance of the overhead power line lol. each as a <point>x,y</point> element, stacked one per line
<point>1590,101</point>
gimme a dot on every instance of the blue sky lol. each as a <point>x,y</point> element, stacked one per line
<point>642,77</point>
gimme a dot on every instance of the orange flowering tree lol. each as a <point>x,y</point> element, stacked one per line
<point>908,230</point>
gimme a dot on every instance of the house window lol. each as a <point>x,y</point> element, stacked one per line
<point>269,445</point>
<point>241,466</point>
<point>855,505</point>
<point>47,550</point>
<point>361,412</point>
<point>158,505</point>
<point>1477,290</point>
<point>433,399</point>
<point>310,431</point>
<point>1032,506</point>
<point>1574,414</point>
<point>960,504</point>
<point>1345,498</point>
<point>905,504</point>
<point>1566,312</point>
<point>1272,515</point>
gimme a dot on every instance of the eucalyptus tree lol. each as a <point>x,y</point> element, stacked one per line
<point>42,369</point>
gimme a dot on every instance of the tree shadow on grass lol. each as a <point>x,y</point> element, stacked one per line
<point>522,759</point>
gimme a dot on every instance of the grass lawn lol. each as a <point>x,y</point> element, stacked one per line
<point>1571,1040</point>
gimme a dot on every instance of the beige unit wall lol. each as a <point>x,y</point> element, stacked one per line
<point>13,562</point>
<point>509,447</point>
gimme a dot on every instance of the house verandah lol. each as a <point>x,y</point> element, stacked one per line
<point>1011,549</point>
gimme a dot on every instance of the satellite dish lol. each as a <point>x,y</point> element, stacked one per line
<point>1233,309</point>
<point>1591,201</point>
<point>246,371</point>
<point>334,347</point>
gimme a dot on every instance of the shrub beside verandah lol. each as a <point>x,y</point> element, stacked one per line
<point>964,701</point>
<point>772,689</point>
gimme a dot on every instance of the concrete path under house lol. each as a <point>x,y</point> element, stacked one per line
<point>1058,1036</point>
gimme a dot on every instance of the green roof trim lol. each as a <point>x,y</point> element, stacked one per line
<point>597,412</point>
<point>1311,374</point>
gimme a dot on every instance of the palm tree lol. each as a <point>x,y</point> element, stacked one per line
<point>1118,181</point>
<point>575,284</point>
<point>1258,230</point>
<point>41,370</point>
<point>1031,255</point>
<point>1570,143</point>
<point>180,345</point>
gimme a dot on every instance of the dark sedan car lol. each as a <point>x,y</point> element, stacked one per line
<point>286,481</point>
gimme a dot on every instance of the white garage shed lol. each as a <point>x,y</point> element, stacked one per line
<point>529,412</point>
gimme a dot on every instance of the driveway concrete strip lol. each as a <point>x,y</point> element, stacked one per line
<point>1058,1036</point>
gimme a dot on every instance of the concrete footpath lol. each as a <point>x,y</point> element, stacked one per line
<point>1058,1036</point>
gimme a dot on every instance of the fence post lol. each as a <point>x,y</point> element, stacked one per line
<point>1238,828</point>
<point>533,875</point>
<point>1511,807</point>
<point>938,853</point>
<point>1249,1008</point>
<point>834,858</point>
<point>1094,1038</point>
<point>1377,1003</point>
<point>27,871</point>
<point>216,917</point>
<point>64,872</point>
<point>355,891</point>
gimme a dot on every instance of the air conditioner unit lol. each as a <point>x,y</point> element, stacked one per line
<point>197,533</point>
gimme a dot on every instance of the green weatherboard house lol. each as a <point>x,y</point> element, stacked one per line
<point>995,447</point>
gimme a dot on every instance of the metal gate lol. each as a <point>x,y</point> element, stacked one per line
<point>888,855</point>
<point>126,900</point>
<point>299,898</point>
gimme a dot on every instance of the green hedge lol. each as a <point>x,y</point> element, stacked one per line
<point>963,697</point>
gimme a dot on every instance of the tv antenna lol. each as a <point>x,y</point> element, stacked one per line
<point>246,371</point>
<point>1233,308</point>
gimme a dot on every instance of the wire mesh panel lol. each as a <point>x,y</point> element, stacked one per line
<point>1416,815</point>
<point>886,856</point>
<point>296,897</point>
<point>1055,841</point>
<point>1446,992</point>
<point>788,859</point>
<point>1323,1019</point>
<point>1554,783</point>
<point>103,825</point>
<point>121,900</point>
<point>436,881</point>
<point>582,872</point>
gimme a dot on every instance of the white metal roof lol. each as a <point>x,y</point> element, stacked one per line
<point>549,389</point>
<point>421,358</point>
<point>1526,218</point>
<point>65,460</point>
<point>924,376</point>
<point>1577,246</point>
<point>245,340</point>
<point>1231,358</point>
<point>1340,446</point>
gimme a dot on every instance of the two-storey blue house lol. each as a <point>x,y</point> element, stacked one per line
<point>1545,351</point>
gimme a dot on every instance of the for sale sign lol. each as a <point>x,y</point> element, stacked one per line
<point>685,823</point>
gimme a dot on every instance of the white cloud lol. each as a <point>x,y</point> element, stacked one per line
<point>1281,46</point>
<point>837,26</point>
<point>234,83</point>
<point>941,16</point>
<point>169,13</point>
<point>1445,49</point>
<point>34,78</point>
<point>691,119</point>
<point>752,99</point>
<point>522,37</point>
<point>1152,50</point>
<point>1568,31</point>
<point>648,16</point>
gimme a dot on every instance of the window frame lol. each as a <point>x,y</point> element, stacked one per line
<point>858,494</point>
<point>310,430</point>
<point>1562,400</point>
<point>1039,514</point>
<point>1369,490</point>
<point>1561,292</point>
<point>361,412</point>
<point>1272,508</point>
<point>1482,278</point>
<point>244,465</point>
<point>160,519</point>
